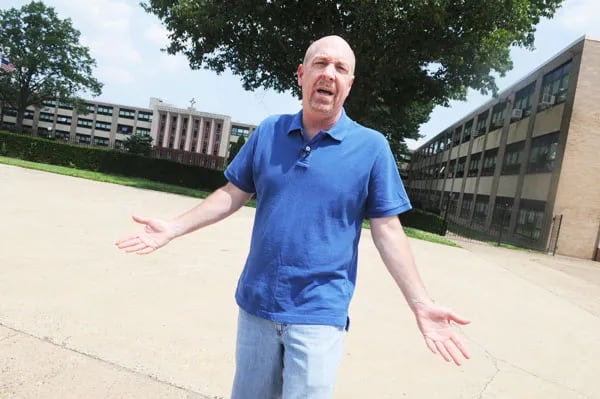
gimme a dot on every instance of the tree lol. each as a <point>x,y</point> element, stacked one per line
<point>234,148</point>
<point>49,61</point>
<point>140,144</point>
<point>411,54</point>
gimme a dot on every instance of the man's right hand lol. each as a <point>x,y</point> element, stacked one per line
<point>157,233</point>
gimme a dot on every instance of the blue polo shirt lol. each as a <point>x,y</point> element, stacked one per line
<point>312,197</point>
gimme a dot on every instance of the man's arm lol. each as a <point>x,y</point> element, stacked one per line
<point>157,232</point>
<point>433,320</point>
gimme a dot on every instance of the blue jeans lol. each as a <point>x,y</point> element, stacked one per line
<point>285,361</point>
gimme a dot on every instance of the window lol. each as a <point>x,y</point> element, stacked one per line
<point>124,129</point>
<point>28,114</point>
<point>530,220</point>
<point>49,103</point>
<point>83,139</point>
<point>543,153</point>
<point>556,83</point>
<point>512,158</point>
<point>63,120</point>
<point>451,167</point>
<point>46,117</point>
<point>456,136</point>
<point>103,125</point>
<point>105,110</point>
<point>523,101</point>
<point>65,104</point>
<point>81,122</point>
<point>467,132</point>
<point>126,113</point>
<point>481,209</point>
<point>501,215</point>
<point>145,116</point>
<point>474,164</point>
<point>448,139</point>
<point>466,205</point>
<point>9,111</point>
<point>142,131</point>
<point>498,115</point>
<point>460,169</point>
<point>90,107</point>
<point>481,127</point>
<point>101,141</point>
<point>240,131</point>
<point>489,162</point>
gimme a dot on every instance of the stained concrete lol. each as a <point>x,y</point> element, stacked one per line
<point>79,319</point>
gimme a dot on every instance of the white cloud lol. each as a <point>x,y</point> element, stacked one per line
<point>157,34</point>
<point>580,16</point>
<point>115,75</point>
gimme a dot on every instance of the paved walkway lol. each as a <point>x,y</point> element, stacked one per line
<point>79,319</point>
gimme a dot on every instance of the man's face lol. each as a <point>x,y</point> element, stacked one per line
<point>326,77</point>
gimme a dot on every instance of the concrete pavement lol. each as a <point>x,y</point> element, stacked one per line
<point>79,319</point>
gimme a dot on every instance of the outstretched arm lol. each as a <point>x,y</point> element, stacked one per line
<point>434,321</point>
<point>157,232</point>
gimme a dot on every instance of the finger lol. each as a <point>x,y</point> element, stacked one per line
<point>458,319</point>
<point>135,248</point>
<point>452,351</point>
<point>125,240</point>
<point>140,219</point>
<point>129,244</point>
<point>145,251</point>
<point>430,345</point>
<point>458,343</point>
<point>442,350</point>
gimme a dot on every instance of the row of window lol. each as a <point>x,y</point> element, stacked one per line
<point>529,221</point>
<point>542,158</point>
<point>554,90</point>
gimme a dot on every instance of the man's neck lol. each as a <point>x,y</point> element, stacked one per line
<point>314,124</point>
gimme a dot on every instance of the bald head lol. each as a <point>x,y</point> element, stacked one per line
<point>327,43</point>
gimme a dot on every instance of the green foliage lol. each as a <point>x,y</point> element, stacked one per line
<point>411,54</point>
<point>49,61</point>
<point>109,161</point>
<point>140,144</point>
<point>234,148</point>
<point>424,221</point>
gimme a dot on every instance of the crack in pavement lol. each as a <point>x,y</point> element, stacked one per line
<point>536,283</point>
<point>496,363</point>
<point>191,394</point>
<point>493,377</point>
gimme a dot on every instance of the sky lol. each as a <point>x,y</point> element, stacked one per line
<point>126,43</point>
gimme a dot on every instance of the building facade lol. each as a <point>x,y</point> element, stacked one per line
<point>526,162</point>
<point>182,135</point>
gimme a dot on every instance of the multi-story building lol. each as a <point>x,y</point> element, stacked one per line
<point>96,123</point>
<point>525,162</point>
<point>182,135</point>
<point>190,136</point>
<point>241,129</point>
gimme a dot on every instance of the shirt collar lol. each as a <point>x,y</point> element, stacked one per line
<point>337,132</point>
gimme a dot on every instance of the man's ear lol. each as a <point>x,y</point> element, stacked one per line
<point>300,73</point>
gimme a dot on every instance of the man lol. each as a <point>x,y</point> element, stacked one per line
<point>317,175</point>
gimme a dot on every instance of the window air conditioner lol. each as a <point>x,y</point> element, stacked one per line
<point>547,100</point>
<point>517,113</point>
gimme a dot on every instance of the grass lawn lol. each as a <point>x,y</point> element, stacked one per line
<point>169,188</point>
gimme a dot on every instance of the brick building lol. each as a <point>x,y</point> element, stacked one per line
<point>525,162</point>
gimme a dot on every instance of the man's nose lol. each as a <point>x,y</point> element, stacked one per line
<point>329,71</point>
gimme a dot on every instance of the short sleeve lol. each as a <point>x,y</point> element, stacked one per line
<point>387,196</point>
<point>240,171</point>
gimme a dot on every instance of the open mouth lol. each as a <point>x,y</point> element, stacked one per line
<point>325,92</point>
